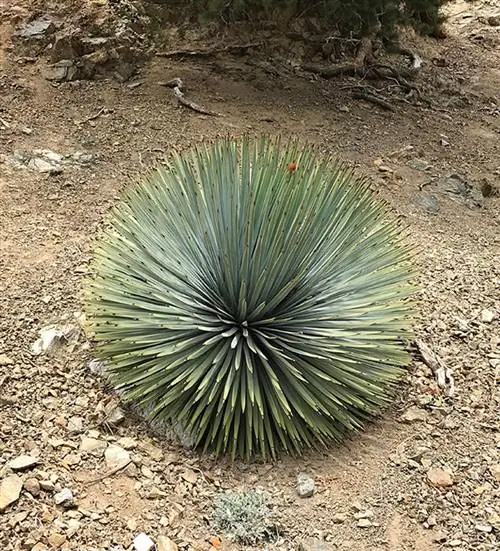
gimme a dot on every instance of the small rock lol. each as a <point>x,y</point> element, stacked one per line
<point>487,316</point>
<point>64,498</point>
<point>189,476</point>
<point>484,528</point>
<point>132,524</point>
<point>494,519</point>
<point>414,414</point>
<point>305,485</point>
<point>72,459</point>
<point>439,537</point>
<point>61,71</point>
<point>427,202</point>
<point>18,517</point>
<point>454,543</point>
<point>75,424</point>
<point>155,453</point>
<point>142,542</point>
<point>36,29</point>
<point>47,485</point>
<point>420,165</point>
<point>431,520</point>
<point>93,446</point>
<point>494,20</point>
<point>115,416</point>
<point>364,523</point>
<point>56,540</point>
<point>10,490</point>
<point>116,456</point>
<point>127,443</point>
<point>315,545</point>
<point>32,486</point>
<point>39,547</point>
<point>440,478</point>
<point>51,337</point>
<point>165,544</point>
<point>339,518</point>
<point>495,471</point>
<point>22,463</point>
<point>155,493</point>
<point>5,360</point>
<point>364,514</point>
<point>73,527</point>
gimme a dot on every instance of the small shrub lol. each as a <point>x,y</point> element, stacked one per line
<point>244,516</point>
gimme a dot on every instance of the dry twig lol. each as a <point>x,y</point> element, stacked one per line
<point>443,374</point>
<point>109,473</point>
<point>176,84</point>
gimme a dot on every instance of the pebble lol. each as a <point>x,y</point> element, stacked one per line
<point>116,456</point>
<point>484,528</point>
<point>189,476</point>
<point>32,486</point>
<point>93,446</point>
<point>22,462</point>
<point>72,459</point>
<point>164,543</point>
<point>142,542</point>
<point>315,545</point>
<point>10,490</point>
<point>431,520</point>
<point>75,424</point>
<point>364,523</point>
<point>339,518</point>
<point>487,316</point>
<point>47,485</point>
<point>56,540</point>
<point>73,527</point>
<point>116,416</point>
<point>495,471</point>
<point>439,478</point>
<point>127,443</point>
<point>364,514</point>
<point>414,414</point>
<point>305,485</point>
<point>132,524</point>
<point>155,453</point>
<point>439,537</point>
<point>64,498</point>
<point>5,360</point>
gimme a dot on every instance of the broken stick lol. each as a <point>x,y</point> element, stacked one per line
<point>443,374</point>
<point>177,85</point>
<point>109,473</point>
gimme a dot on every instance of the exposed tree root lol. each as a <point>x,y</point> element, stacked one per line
<point>238,49</point>
<point>177,85</point>
<point>348,68</point>
<point>373,98</point>
<point>365,67</point>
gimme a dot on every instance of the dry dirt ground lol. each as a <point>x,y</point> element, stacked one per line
<point>432,482</point>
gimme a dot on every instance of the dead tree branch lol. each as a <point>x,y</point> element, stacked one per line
<point>177,85</point>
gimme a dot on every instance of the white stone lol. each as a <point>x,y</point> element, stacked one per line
<point>142,542</point>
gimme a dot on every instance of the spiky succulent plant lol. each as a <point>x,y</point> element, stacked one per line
<point>255,292</point>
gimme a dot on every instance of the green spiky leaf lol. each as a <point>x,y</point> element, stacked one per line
<point>261,304</point>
